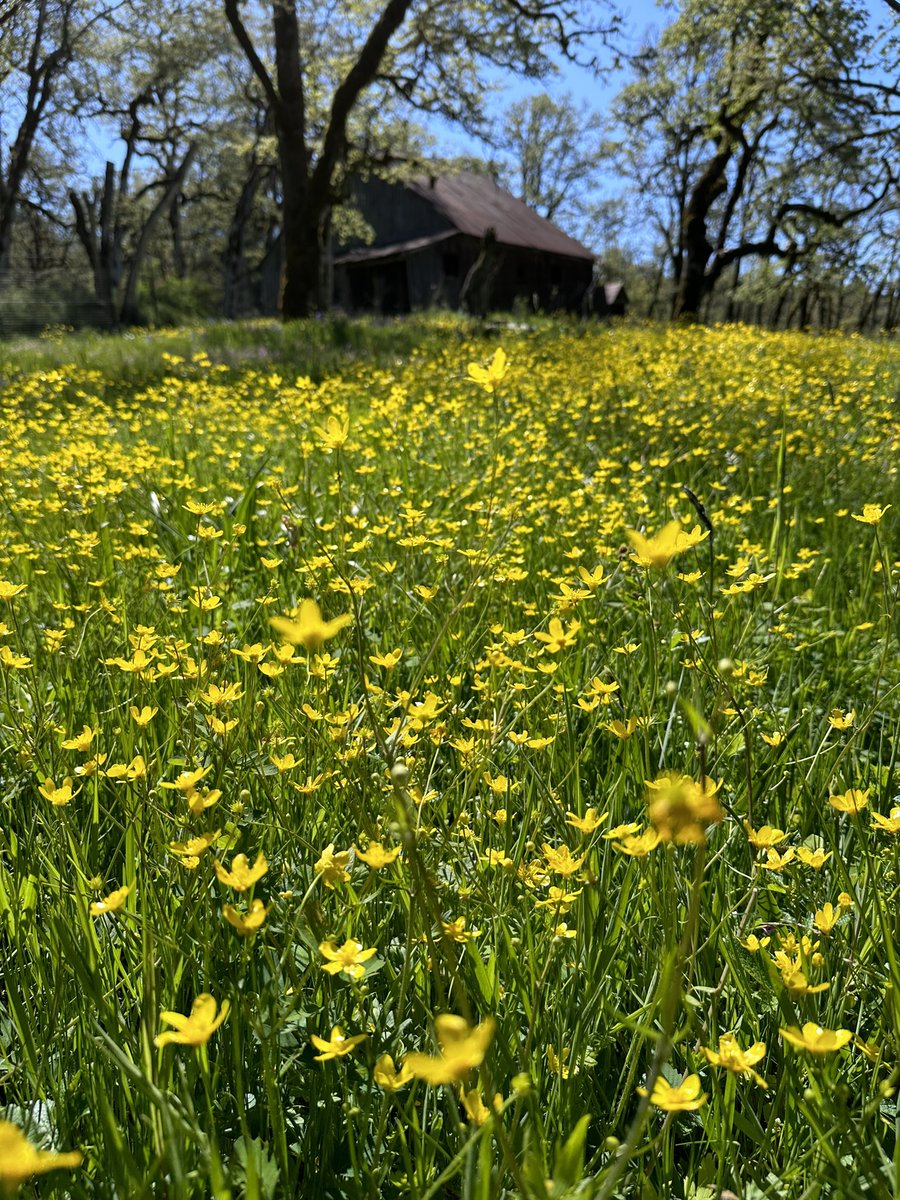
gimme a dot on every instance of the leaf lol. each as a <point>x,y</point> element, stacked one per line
<point>569,1165</point>
<point>261,1163</point>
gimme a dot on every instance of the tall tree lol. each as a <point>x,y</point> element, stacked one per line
<point>40,39</point>
<point>152,86</point>
<point>553,151</point>
<point>423,52</point>
<point>749,133</point>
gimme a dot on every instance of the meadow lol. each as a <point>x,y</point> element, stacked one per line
<point>435,765</point>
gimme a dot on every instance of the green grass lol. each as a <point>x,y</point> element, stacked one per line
<point>456,526</point>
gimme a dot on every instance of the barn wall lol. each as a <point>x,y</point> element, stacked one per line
<point>433,276</point>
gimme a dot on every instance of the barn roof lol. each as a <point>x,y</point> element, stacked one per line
<point>392,250</point>
<point>473,203</point>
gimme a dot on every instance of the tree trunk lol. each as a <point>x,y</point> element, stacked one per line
<point>235,299</point>
<point>301,248</point>
<point>695,245</point>
<point>96,234</point>
<point>128,314</point>
<point>178,261</point>
<point>890,316</point>
<point>731,311</point>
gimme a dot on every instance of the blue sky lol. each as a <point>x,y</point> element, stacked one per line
<point>583,84</point>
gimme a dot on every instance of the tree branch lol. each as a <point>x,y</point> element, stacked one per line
<point>358,78</point>
<point>246,44</point>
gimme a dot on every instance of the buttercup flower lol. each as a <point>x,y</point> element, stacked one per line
<point>462,1050</point>
<point>889,824</point>
<point>871,514</point>
<point>376,857</point>
<point>306,628</point>
<point>816,1040</point>
<point>331,867</point>
<point>19,1160</point>
<point>490,376</point>
<point>686,1097</point>
<point>659,550</point>
<point>347,959</point>
<point>241,876</point>
<point>249,922</point>
<point>730,1056</point>
<point>388,1077</point>
<point>112,903</point>
<point>198,1028</point>
<point>58,796</point>
<point>680,809</point>
<point>337,1045</point>
<point>852,801</point>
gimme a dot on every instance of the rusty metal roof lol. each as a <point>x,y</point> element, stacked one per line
<point>474,203</point>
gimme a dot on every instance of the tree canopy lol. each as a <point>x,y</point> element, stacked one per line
<point>157,162</point>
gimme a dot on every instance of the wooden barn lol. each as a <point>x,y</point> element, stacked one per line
<point>431,232</point>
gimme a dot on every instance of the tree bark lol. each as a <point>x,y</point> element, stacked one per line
<point>235,299</point>
<point>697,250</point>
<point>128,314</point>
<point>100,242</point>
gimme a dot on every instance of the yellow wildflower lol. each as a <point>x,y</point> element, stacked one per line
<point>198,1028</point>
<point>306,628</point>
<point>81,741</point>
<point>19,1160</point>
<point>588,823</point>
<point>331,867</point>
<point>490,376</point>
<point>334,433</point>
<point>388,1078</point>
<point>476,1110</point>
<point>559,637</point>
<point>852,801</point>
<point>659,550</point>
<point>889,824</point>
<point>337,1045</point>
<point>462,1049</point>
<point>241,876</point>
<point>375,856</point>
<point>641,845</point>
<point>813,858</point>
<point>560,860</point>
<point>680,809</point>
<point>768,835</point>
<point>347,959</point>
<point>195,846</point>
<point>871,514</point>
<point>142,716</point>
<point>58,796</point>
<point>733,1058</point>
<point>112,903</point>
<point>8,591</point>
<point>686,1097</point>
<point>815,1039</point>
<point>247,923</point>
<point>826,918</point>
